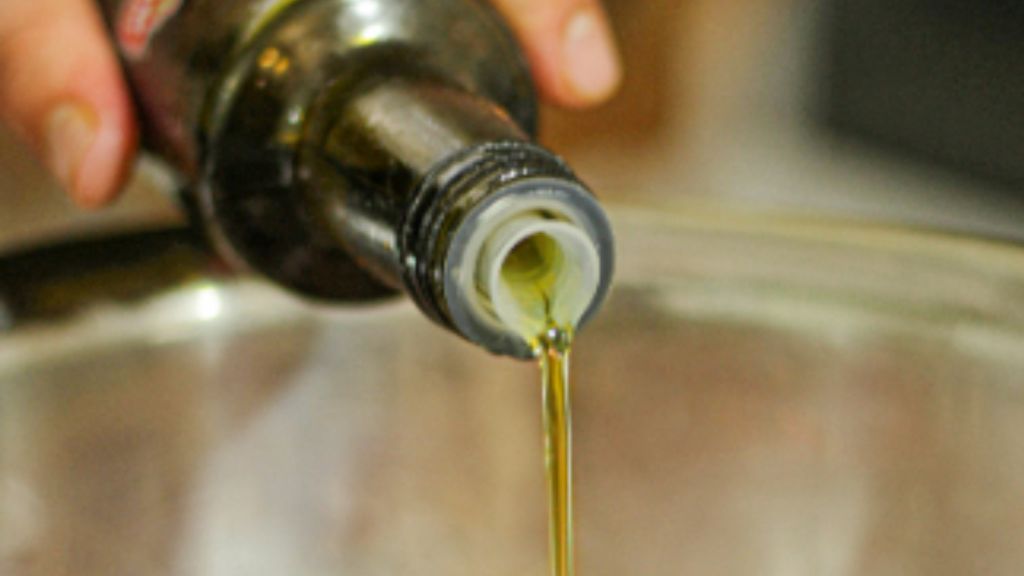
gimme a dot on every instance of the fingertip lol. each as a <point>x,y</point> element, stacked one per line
<point>73,107</point>
<point>102,167</point>
<point>89,141</point>
<point>571,48</point>
<point>106,165</point>
<point>591,69</point>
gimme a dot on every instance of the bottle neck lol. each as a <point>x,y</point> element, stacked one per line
<point>413,124</point>
<point>370,145</point>
<point>431,187</point>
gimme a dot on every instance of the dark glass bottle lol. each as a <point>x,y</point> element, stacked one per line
<point>352,148</point>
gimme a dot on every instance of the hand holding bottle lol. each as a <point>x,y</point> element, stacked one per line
<point>61,87</point>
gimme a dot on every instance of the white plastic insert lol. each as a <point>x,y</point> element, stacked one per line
<point>535,269</point>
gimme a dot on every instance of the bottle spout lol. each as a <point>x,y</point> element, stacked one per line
<point>505,241</point>
<point>535,270</point>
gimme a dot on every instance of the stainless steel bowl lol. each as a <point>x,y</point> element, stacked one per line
<point>760,397</point>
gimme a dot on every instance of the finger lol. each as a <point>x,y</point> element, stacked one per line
<point>570,47</point>
<point>61,89</point>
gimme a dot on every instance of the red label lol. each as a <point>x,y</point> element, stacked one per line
<point>139,20</point>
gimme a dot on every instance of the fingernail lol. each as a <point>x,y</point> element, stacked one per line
<point>589,59</point>
<point>70,133</point>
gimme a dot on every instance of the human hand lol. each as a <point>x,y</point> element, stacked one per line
<point>62,91</point>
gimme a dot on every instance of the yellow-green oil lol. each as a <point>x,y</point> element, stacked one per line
<point>554,364</point>
<point>531,271</point>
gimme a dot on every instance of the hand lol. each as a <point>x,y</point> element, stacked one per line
<point>61,87</point>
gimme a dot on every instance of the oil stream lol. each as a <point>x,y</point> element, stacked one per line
<point>554,364</point>
<point>534,273</point>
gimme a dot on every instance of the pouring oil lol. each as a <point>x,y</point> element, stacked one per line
<point>534,273</point>
<point>554,366</point>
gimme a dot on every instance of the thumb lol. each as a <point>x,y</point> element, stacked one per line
<point>61,89</point>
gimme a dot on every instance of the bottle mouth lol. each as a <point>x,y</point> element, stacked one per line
<point>535,271</point>
<point>502,239</point>
<point>537,255</point>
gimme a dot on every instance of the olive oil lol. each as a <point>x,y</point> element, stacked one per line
<point>554,365</point>
<point>533,273</point>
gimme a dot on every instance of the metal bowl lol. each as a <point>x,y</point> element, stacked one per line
<point>759,397</point>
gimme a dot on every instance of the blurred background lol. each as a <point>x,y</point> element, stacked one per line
<point>900,111</point>
<point>903,111</point>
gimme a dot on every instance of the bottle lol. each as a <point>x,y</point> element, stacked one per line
<point>349,149</point>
